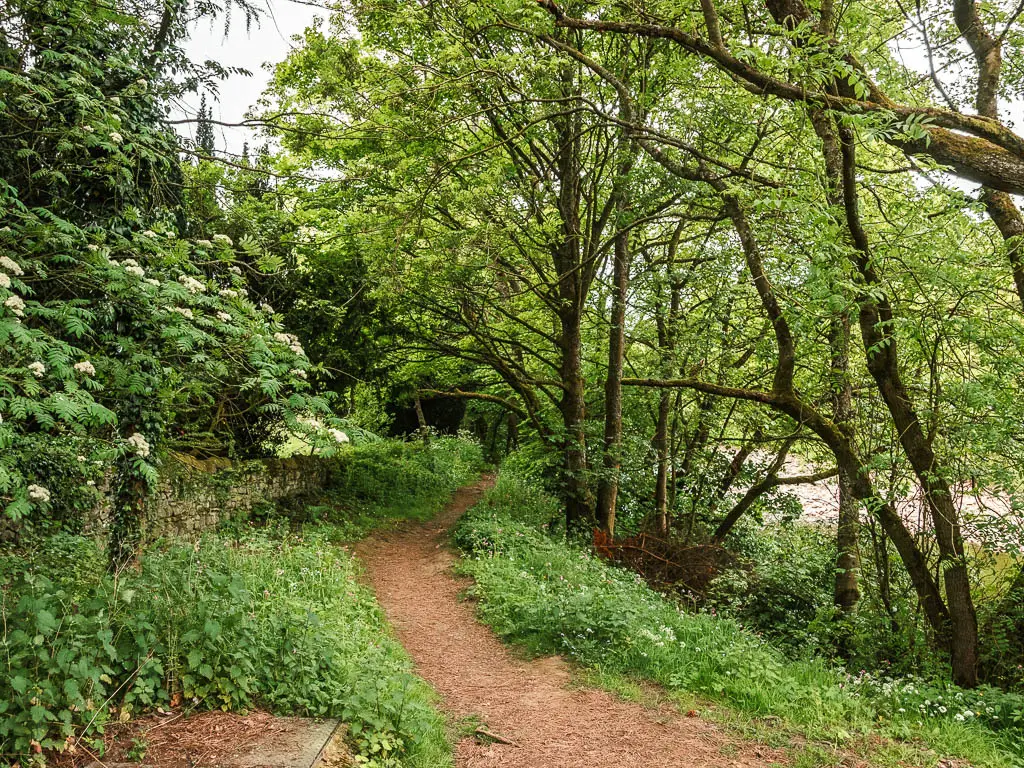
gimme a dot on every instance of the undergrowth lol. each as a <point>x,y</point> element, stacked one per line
<point>553,597</point>
<point>247,617</point>
<point>378,484</point>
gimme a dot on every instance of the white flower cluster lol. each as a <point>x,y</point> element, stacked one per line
<point>183,311</point>
<point>193,285</point>
<point>5,280</point>
<point>267,308</point>
<point>131,266</point>
<point>338,435</point>
<point>37,368</point>
<point>222,239</point>
<point>16,304</point>
<point>10,265</point>
<point>116,137</point>
<point>149,233</point>
<point>204,243</point>
<point>152,281</point>
<point>234,269</point>
<point>292,342</point>
<point>224,317</point>
<point>86,367</point>
<point>39,493</point>
<point>298,372</point>
<point>139,444</point>
<point>229,293</point>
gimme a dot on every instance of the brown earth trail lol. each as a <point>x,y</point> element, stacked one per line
<point>529,703</point>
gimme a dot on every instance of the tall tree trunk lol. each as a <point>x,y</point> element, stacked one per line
<point>608,485</point>
<point>661,447</point>
<point>880,345</point>
<point>847,590</point>
<point>579,513</point>
<point>512,435</point>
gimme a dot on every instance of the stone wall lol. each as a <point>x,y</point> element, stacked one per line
<point>195,495</point>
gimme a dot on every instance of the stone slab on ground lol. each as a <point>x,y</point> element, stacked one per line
<point>219,740</point>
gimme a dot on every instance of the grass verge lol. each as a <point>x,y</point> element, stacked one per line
<point>552,597</point>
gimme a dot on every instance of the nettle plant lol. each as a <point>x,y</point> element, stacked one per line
<point>113,327</point>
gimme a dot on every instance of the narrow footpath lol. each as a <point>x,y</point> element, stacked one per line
<point>529,703</point>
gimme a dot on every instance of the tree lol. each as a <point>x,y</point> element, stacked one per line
<point>206,141</point>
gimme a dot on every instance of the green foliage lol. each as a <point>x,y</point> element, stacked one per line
<point>784,584</point>
<point>112,319</point>
<point>230,624</point>
<point>556,598</point>
<point>375,484</point>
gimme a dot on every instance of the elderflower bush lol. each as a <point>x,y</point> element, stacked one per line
<point>182,332</point>
<point>120,336</point>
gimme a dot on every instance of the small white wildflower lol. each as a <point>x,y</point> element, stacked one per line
<point>10,265</point>
<point>86,367</point>
<point>267,308</point>
<point>92,247</point>
<point>5,280</point>
<point>235,269</point>
<point>139,444</point>
<point>298,372</point>
<point>91,483</point>
<point>204,243</point>
<point>142,82</point>
<point>284,338</point>
<point>38,493</point>
<point>81,458</point>
<point>149,233</point>
<point>223,239</point>
<point>183,311</point>
<point>228,293</point>
<point>116,137</point>
<point>338,435</point>
<point>16,304</point>
<point>135,270</point>
<point>115,101</point>
<point>37,368</point>
<point>152,281</point>
<point>224,317</point>
<point>88,128</point>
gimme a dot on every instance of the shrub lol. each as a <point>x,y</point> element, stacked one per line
<point>275,622</point>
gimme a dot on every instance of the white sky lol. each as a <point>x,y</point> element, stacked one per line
<point>267,41</point>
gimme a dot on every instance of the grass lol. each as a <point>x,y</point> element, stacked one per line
<point>271,616</point>
<point>551,597</point>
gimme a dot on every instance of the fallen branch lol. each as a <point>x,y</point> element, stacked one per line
<point>482,732</point>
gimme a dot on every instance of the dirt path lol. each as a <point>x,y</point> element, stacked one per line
<point>529,702</point>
